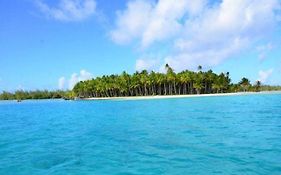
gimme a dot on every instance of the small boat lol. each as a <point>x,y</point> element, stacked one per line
<point>19,100</point>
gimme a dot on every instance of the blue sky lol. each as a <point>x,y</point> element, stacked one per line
<point>53,44</point>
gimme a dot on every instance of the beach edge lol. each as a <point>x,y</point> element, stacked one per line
<point>177,96</point>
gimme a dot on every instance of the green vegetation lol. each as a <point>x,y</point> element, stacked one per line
<point>25,95</point>
<point>146,84</point>
<point>270,88</point>
<point>171,83</point>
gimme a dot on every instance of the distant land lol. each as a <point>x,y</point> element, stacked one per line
<point>146,83</point>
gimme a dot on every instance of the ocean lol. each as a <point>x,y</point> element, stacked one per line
<point>205,135</point>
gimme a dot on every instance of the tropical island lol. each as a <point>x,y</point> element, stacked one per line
<point>146,83</point>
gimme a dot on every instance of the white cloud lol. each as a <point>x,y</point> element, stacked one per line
<point>62,83</point>
<point>263,50</point>
<point>147,64</point>
<point>164,20</point>
<point>131,22</point>
<point>210,56</point>
<point>150,22</point>
<point>265,75</point>
<point>75,78</point>
<point>200,32</point>
<point>69,10</point>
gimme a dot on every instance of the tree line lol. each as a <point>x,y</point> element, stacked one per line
<point>37,94</point>
<point>146,83</point>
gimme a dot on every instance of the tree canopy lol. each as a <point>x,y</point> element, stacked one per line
<point>146,83</point>
<point>37,94</point>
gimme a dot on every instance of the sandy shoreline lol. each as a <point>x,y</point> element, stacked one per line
<point>180,96</point>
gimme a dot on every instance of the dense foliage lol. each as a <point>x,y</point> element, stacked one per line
<point>24,95</point>
<point>146,83</point>
<point>154,83</point>
<point>270,88</point>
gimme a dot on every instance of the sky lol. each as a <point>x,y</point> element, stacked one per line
<point>53,44</point>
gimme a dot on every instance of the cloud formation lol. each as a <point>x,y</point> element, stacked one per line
<point>149,22</point>
<point>264,75</point>
<point>68,10</point>
<point>147,64</point>
<point>200,32</point>
<point>263,50</point>
<point>63,83</point>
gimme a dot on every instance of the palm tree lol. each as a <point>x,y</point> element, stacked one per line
<point>258,86</point>
<point>216,86</point>
<point>245,84</point>
<point>171,78</point>
<point>199,68</point>
<point>154,83</point>
<point>167,66</point>
<point>198,85</point>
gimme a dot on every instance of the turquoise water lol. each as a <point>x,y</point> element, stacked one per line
<point>206,135</point>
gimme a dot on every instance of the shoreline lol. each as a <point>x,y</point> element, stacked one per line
<point>177,96</point>
<point>158,96</point>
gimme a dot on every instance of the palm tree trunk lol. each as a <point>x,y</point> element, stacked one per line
<point>175,90</point>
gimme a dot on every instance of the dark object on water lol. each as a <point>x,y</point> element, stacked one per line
<point>68,98</point>
<point>18,100</point>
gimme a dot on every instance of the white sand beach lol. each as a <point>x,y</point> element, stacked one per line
<point>179,96</point>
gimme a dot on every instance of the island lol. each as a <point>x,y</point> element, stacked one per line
<point>148,84</point>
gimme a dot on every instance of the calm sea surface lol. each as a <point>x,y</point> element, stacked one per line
<point>206,135</point>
